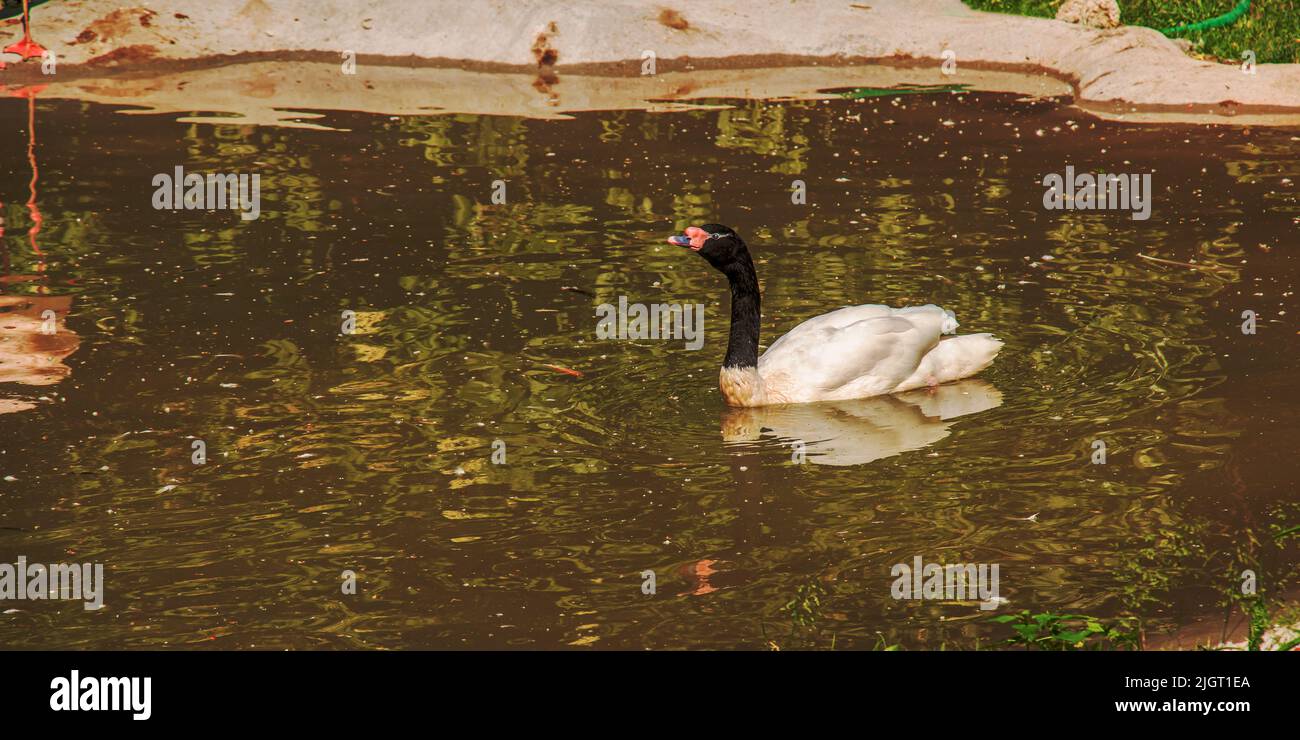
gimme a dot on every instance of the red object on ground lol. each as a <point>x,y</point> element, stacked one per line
<point>26,48</point>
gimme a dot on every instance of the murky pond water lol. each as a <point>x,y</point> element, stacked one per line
<point>373,452</point>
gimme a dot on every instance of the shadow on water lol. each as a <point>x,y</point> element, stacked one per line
<point>373,452</point>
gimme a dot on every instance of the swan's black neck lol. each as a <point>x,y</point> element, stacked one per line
<point>742,346</point>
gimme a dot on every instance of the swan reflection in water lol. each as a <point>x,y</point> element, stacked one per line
<point>862,430</point>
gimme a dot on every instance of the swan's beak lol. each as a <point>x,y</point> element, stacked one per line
<point>694,238</point>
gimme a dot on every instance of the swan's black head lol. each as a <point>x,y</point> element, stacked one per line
<point>717,244</point>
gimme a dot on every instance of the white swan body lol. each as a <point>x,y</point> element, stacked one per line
<point>860,352</point>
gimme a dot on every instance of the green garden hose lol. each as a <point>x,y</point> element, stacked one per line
<point>1226,19</point>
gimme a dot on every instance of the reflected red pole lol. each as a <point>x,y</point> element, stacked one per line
<point>31,157</point>
<point>30,92</point>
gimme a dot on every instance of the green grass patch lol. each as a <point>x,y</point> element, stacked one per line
<point>1271,28</point>
<point>1069,632</point>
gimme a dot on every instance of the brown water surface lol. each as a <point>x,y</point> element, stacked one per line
<point>372,452</point>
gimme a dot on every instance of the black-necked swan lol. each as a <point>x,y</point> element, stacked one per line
<point>853,352</point>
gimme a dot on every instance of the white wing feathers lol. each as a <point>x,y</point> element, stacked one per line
<point>870,350</point>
